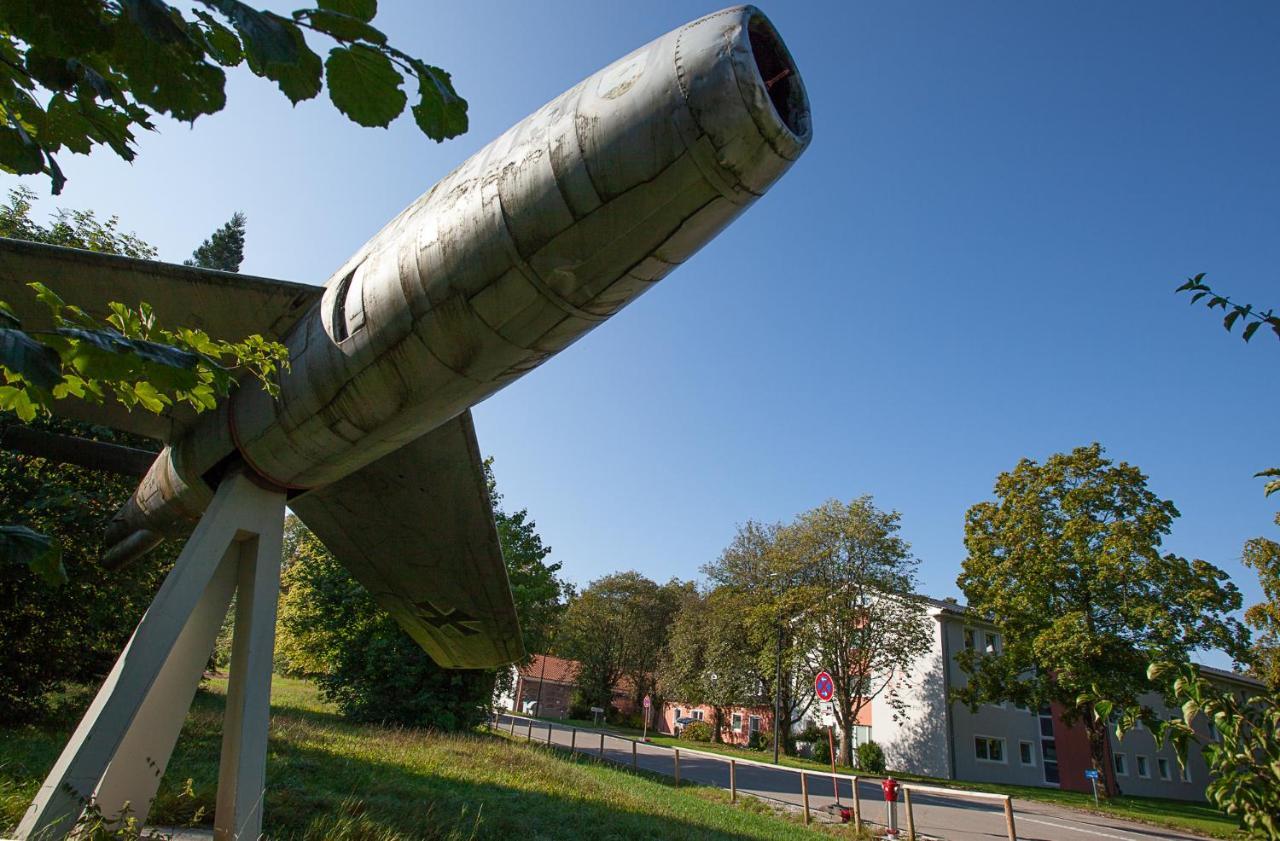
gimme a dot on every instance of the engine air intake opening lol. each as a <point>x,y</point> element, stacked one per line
<point>779,74</point>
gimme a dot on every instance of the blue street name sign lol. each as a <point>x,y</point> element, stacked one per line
<point>1091,774</point>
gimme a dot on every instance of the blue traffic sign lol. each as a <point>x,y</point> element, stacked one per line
<point>1091,774</point>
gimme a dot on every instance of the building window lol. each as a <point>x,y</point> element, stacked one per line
<point>737,722</point>
<point>677,715</point>
<point>1184,774</point>
<point>988,749</point>
<point>1144,770</point>
<point>753,724</point>
<point>992,643</point>
<point>697,714</point>
<point>968,638</point>
<point>1121,768</point>
<point>1162,765</point>
<point>1026,753</point>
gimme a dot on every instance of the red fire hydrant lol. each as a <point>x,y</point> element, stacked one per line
<point>890,787</point>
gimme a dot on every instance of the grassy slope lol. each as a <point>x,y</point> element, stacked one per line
<point>1176,814</point>
<point>330,780</point>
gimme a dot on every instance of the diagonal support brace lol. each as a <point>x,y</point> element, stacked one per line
<point>118,753</point>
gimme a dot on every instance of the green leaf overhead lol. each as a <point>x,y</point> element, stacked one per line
<point>364,85</point>
<point>76,74</point>
<point>361,9</point>
<point>440,112</point>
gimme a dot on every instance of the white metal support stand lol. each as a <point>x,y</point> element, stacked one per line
<point>118,753</point>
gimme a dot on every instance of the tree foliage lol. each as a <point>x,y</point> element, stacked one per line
<point>128,357</point>
<point>709,658</point>
<point>333,632</point>
<point>1243,759</point>
<point>1066,562</point>
<point>866,626</point>
<point>82,73</point>
<point>67,629</point>
<point>617,627</point>
<point>755,567</point>
<point>224,249</point>
<point>1263,555</point>
<point>1245,314</point>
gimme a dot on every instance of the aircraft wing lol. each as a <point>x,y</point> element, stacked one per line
<point>223,304</point>
<point>416,528</point>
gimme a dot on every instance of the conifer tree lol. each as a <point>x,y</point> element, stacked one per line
<point>224,249</point>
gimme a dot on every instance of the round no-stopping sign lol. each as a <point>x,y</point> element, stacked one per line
<point>647,702</point>
<point>824,687</point>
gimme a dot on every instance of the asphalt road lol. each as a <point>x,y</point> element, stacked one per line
<point>939,816</point>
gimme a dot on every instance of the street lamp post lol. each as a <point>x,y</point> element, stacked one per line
<point>777,692</point>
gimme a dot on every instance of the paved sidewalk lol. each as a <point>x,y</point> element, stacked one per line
<point>940,816</point>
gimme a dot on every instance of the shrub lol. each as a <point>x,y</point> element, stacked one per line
<point>696,731</point>
<point>759,740</point>
<point>811,734</point>
<point>821,751</point>
<point>871,758</point>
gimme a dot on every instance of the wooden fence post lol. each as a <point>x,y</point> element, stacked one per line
<point>911,818</point>
<point>548,733</point>
<point>1008,818</point>
<point>857,807</point>
<point>677,767</point>
<point>573,741</point>
<point>804,793</point>
<point>513,725</point>
<point>733,781</point>
<point>602,745</point>
<point>528,733</point>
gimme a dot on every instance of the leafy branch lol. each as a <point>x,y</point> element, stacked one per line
<point>128,357</point>
<point>1234,312</point>
<point>109,66</point>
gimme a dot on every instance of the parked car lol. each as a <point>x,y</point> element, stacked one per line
<point>682,722</point>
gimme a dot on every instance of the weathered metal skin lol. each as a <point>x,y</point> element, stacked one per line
<point>528,245</point>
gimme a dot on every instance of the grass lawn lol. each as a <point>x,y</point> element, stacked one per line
<point>329,780</point>
<point>1175,814</point>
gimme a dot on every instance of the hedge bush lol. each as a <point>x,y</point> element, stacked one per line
<point>871,758</point>
<point>696,731</point>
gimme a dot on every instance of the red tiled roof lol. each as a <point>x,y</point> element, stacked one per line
<point>558,670</point>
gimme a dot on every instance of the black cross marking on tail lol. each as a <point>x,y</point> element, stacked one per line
<point>451,618</point>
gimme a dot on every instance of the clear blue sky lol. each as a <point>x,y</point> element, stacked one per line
<point>974,262</point>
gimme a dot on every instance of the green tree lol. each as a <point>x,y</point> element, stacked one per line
<point>756,568</point>
<point>617,627</point>
<point>224,249</point>
<point>54,636</point>
<point>1263,555</point>
<point>709,658</point>
<point>81,73</point>
<point>1066,563</point>
<point>332,631</point>
<point>865,624</point>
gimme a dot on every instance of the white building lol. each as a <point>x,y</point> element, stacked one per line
<point>1007,744</point>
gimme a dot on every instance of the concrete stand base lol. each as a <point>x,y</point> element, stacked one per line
<point>114,761</point>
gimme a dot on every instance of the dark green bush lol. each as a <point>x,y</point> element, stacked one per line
<point>760,740</point>
<point>871,758</point>
<point>821,751</point>
<point>696,731</point>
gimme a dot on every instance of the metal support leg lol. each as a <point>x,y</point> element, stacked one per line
<point>119,752</point>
